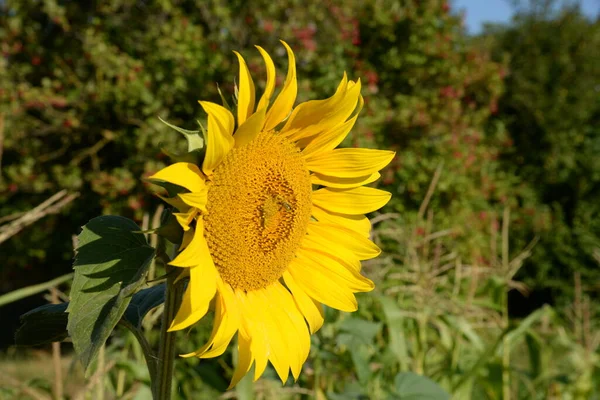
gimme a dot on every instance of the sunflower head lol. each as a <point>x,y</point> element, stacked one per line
<point>273,220</point>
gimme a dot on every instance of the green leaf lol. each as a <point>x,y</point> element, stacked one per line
<point>48,323</point>
<point>358,339</point>
<point>194,139</point>
<point>111,263</point>
<point>142,302</point>
<point>360,355</point>
<point>361,329</point>
<point>526,325</point>
<point>411,386</point>
<point>395,325</point>
<point>42,325</point>
<point>534,351</point>
<point>513,335</point>
<point>460,324</point>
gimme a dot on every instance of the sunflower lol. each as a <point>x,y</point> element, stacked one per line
<point>273,220</point>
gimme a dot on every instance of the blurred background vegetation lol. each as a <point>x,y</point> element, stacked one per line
<point>489,282</point>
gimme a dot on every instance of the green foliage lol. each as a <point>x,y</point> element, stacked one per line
<point>112,261</point>
<point>142,302</point>
<point>48,323</point>
<point>43,325</point>
<point>551,108</point>
<point>410,386</point>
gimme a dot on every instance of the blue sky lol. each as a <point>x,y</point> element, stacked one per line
<point>480,11</point>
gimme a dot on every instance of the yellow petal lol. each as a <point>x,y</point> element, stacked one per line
<point>348,276</point>
<point>331,138</point>
<point>349,163</point>
<point>196,199</point>
<point>358,223</point>
<point>203,281</point>
<point>185,315</point>
<point>336,250</point>
<point>253,328</point>
<point>285,100</point>
<point>185,219</point>
<point>250,129</point>
<point>182,174</point>
<point>260,309</point>
<point>359,245</point>
<point>343,183</point>
<point>244,361</point>
<point>225,324</point>
<point>313,118</point>
<point>312,310</point>
<point>292,324</point>
<point>322,285</point>
<point>310,117</point>
<point>196,299</point>
<point>359,200</point>
<point>270,86</point>
<point>217,136</point>
<point>197,252</point>
<point>246,95</point>
<point>288,335</point>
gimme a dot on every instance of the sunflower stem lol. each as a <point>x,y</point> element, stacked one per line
<point>166,351</point>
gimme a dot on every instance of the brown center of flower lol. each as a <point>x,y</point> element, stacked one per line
<point>259,205</point>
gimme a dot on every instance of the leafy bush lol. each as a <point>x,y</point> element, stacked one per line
<point>551,108</point>
<point>83,86</point>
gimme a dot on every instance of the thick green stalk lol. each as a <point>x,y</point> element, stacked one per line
<point>166,352</point>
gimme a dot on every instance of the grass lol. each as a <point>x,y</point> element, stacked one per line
<point>438,311</point>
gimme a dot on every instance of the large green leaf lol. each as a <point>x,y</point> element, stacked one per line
<point>359,338</point>
<point>410,386</point>
<point>48,323</point>
<point>142,302</point>
<point>42,325</point>
<point>395,324</point>
<point>363,330</point>
<point>111,263</point>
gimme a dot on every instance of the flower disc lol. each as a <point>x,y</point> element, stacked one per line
<point>258,208</point>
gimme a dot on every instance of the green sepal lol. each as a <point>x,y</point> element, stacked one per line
<point>170,229</point>
<point>194,139</point>
<point>223,99</point>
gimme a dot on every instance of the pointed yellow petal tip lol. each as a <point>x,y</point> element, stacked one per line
<point>218,135</point>
<point>246,91</point>
<point>182,174</point>
<point>188,355</point>
<point>270,84</point>
<point>283,104</point>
